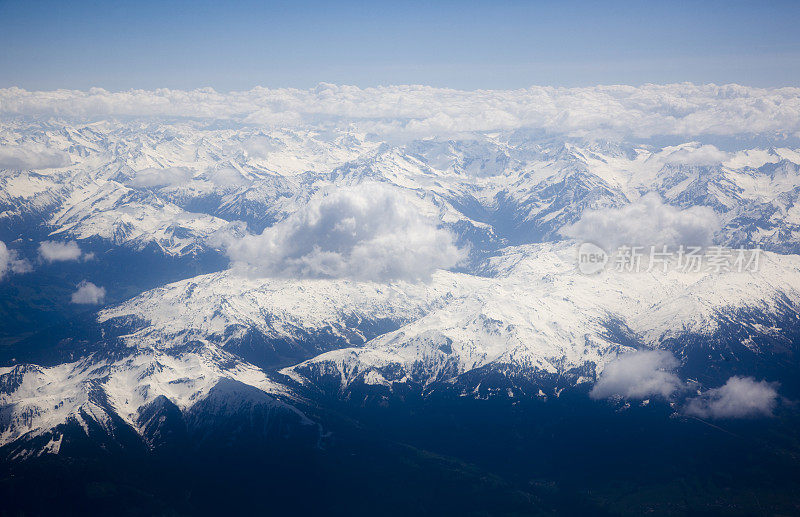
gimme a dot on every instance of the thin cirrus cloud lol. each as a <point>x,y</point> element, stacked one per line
<point>650,110</point>
<point>369,232</point>
<point>639,375</point>
<point>89,294</point>
<point>647,221</point>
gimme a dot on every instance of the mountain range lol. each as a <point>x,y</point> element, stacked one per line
<point>264,282</point>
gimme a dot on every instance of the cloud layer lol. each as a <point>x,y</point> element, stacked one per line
<point>740,397</point>
<point>369,232</point>
<point>639,375</point>
<point>646,222</point>
<point>650,110</point>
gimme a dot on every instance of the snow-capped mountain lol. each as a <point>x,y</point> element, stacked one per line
<point>532,319</point>
<point>179,185</point>
<point>272,320</point>
<point>114,395</point>
<point>540,320</point>
<point>513,317</point>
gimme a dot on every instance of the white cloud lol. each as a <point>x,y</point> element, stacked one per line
<point>268,117</point>
<point>54,251</point>
<point>740,397</point>
<point>5,259</point>
<point>368,232</point>
<point>600,111</point>
<point>756,158</point>
<point>10,262</point>
<point>646,222</point>
<point>639,375</point>
<point>260,147</point>
<point>227,177</point>
<point>31,157</point>
<point>158,178</point>
<point>694,155</point>
<point>89,294</point>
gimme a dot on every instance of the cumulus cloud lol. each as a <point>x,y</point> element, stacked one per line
<point>260,146</point>
<point>646,222</point>
<point>89,294</point>
<point>639,375</point>
<point>158,178</point>
<point>702,155</point>
<point>31,157</point>
<point>758,157</point>
<point>54,251</point>
<point>600,111</point>
<point>10,262</point>
<point>369,232</point>
<point>740,397</point>
<point>227,177</point>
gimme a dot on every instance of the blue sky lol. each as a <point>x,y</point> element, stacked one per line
<point>468,45</point>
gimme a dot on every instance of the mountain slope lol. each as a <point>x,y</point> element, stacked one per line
<point>542,320</point>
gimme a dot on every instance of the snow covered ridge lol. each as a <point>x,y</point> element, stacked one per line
<point>191,187</point>
<point>290,317</point>
<point>541,319</point>
<point>116,393</point>
<point>675,109</point>
<point>531,309</point>
<point>531,319</point>
<point>535,293</point>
